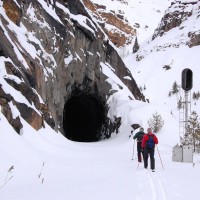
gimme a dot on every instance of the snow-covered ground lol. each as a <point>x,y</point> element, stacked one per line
<point>45,165</point>
<point>48,166</point>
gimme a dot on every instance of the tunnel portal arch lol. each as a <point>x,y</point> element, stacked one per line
<point>83,118</point>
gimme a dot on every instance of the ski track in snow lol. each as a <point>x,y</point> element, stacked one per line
<point>150,182</point>
<point>158,189</point>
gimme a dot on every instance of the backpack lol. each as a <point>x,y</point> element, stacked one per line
<point>140,136</point>
<point>150,142</point>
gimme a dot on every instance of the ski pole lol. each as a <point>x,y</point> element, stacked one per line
<point>133,149</point>
<point>41,170</point>
<point>138,165</point>
<point>160,157</point>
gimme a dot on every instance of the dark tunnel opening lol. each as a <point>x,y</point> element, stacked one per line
<point>83,118</point>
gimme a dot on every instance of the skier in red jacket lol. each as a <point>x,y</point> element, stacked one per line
<point>148,144</point>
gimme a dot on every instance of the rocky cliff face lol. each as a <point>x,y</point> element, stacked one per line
<point>178,27</point>
<point>53,60</point>
<point>114,24</point>
<point>178,13</point>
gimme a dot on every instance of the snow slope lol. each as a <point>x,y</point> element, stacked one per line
<point>143,12</point>
<point>45,165</point>
<point>48,166</point>
<point>144,15</point>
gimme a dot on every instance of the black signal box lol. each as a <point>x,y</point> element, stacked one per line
<point>187,79</point>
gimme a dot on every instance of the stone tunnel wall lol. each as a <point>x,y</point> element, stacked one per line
<point>64,58</point>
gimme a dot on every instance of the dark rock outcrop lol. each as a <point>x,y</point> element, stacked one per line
<point>55,51</point>
<point>173,17</point>
<point>121,33</point>
<point>178,13</point>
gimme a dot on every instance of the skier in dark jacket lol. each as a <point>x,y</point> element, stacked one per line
<point>149,150</point>
<point>139,135</point>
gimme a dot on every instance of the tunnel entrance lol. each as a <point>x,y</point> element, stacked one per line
<point>83,118</point>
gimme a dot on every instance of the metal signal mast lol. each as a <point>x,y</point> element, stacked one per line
<point>184,152</point>
<point>187,83</point>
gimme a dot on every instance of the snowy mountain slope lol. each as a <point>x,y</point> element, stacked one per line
<point>143,15</point>
<point>48,166</point>
<point>160,63</point>
<point>172,49</point>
